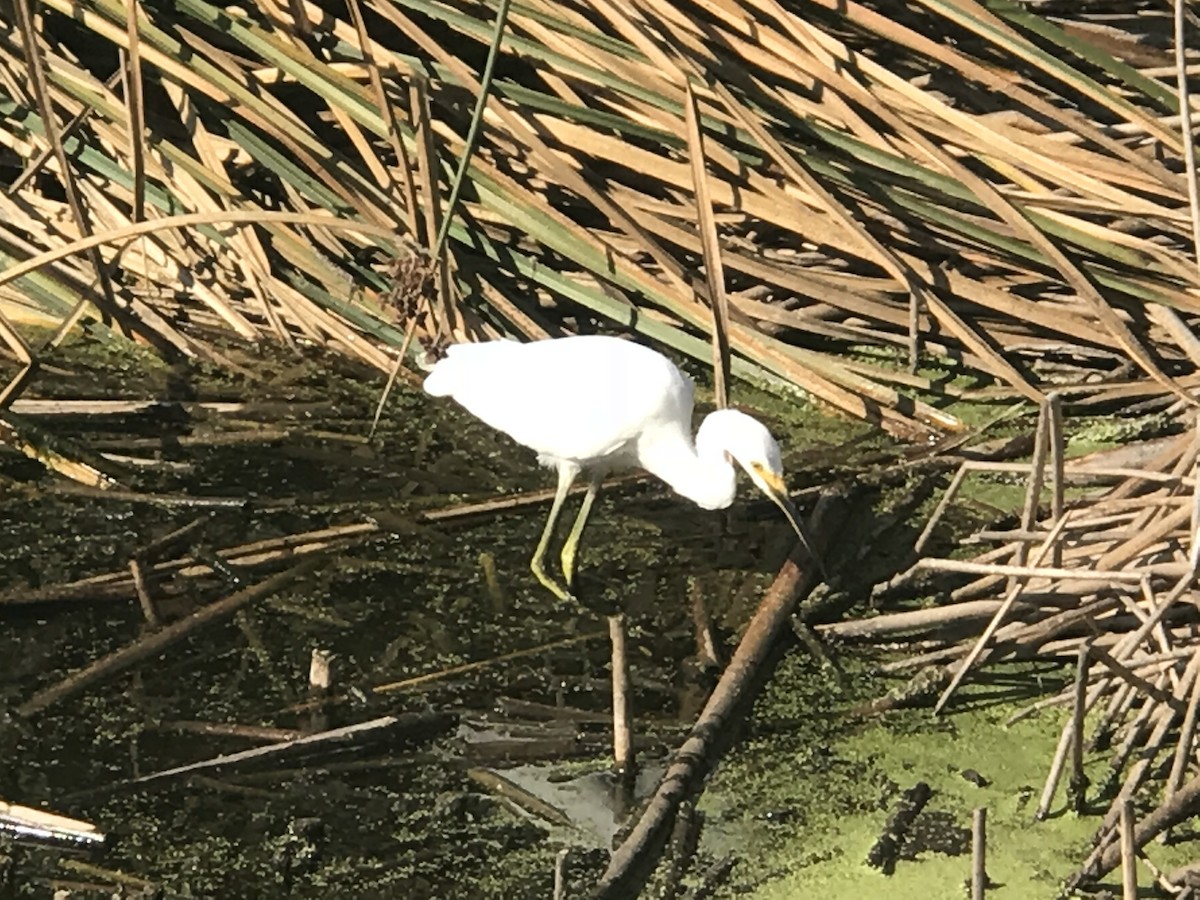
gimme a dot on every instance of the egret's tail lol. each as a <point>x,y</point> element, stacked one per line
<point>423,359</point>
<point>440,380</point>
<point>464,364</point>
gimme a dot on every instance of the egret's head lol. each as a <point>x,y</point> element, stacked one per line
<point>747,442</point>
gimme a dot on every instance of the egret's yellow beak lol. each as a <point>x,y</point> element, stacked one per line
<point>773,486</point>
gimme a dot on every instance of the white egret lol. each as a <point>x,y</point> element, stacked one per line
<point>594,404</point>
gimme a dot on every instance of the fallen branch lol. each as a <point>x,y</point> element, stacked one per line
<point>712,734</point>
<point>154,643</point>
<point>1182,804</point>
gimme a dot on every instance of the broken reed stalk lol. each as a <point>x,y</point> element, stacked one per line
<point>155,642</point>
<point>1125,645</point>
<point>938,619</point>
<point>560,873</point>
<point>1129,879</point>
<point>706,644</point>
<point>1135,736</point>
<point>1117,711</point>
<point>1016,586</point>
<point>429,677</point>
<point>994,569</point>
<point>427,174</point>
<point>320,682</point>
<point>120,585</point>
<point>622,712</point>
<point>1059,760</point>
<point>161,545</point>
<point>1077,472</point>
<point>1147,754</point>
<point>258,733</point>
<point>943,505</point>
<point>513,794</point>
<point>1033,490</point>
<point>1129,676</point>
<point>47,827</point>
<point>979,853</point>
<point>1077,787</point>
<point>1057,441</point>
<point>633,861</point>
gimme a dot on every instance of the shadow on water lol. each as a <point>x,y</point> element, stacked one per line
<point>421,599</point>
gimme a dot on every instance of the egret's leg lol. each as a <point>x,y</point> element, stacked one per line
<point>571,547</point>
<point>566,477</point>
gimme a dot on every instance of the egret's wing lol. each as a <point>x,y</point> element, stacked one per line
<point>570,398</point>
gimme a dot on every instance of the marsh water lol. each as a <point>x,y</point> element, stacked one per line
<point>445,617</point>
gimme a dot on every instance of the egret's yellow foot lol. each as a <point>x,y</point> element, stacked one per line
<point>566,475</point>
<point>549,583</point>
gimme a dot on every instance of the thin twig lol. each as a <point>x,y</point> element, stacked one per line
<point>714,270</point>
<point>943,505</point>
<point>389,731</point>
<point>971,568</point>
<point>1033,490</point>
<point>418,680</point>
<point>143,593</point>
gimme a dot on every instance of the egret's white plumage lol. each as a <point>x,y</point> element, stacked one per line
<point>594,403</point>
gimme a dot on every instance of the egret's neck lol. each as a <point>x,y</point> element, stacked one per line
<point>698,470</point>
